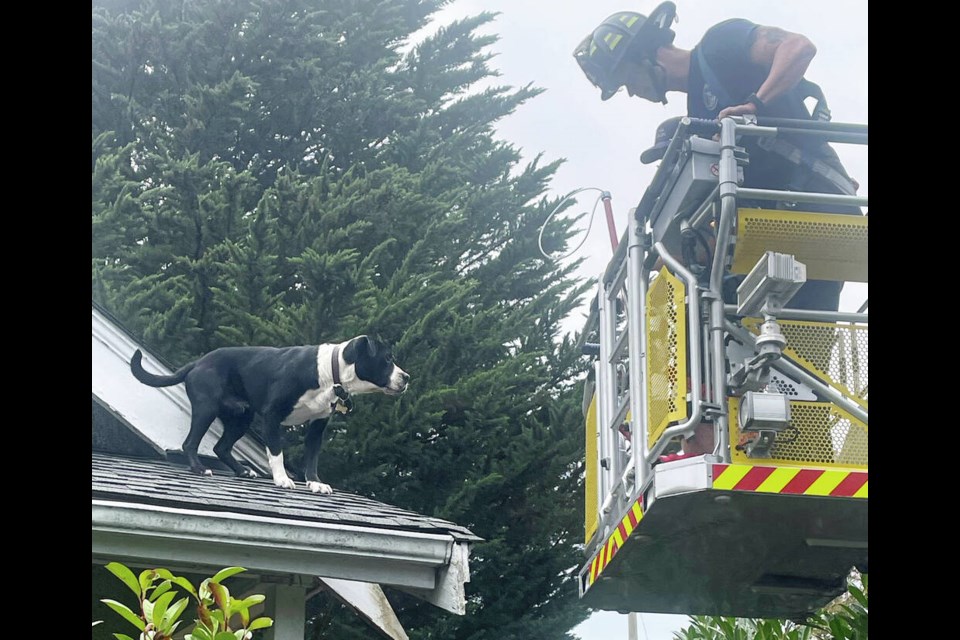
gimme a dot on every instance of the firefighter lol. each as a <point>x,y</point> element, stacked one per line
<point>737,68</point>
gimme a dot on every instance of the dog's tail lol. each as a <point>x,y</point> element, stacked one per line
<point>154,380</point>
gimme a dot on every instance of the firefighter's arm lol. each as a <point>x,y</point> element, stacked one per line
<point>787,56</point>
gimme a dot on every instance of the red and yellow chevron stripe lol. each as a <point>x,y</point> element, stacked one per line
<point>616,540</point>
<point>795,480</point>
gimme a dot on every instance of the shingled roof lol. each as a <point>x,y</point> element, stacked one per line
<point>163,483</point>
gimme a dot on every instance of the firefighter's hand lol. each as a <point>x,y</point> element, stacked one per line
<point>739,110</point>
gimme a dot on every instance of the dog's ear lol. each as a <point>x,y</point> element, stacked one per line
<point>357,346</point>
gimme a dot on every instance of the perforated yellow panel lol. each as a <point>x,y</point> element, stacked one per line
<point>591,479</point>
<point>820,435</point>
<point>666,354</point>
<point>835,353</point>
<point>832,246</point>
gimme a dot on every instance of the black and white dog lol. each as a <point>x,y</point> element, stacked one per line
<point>286,386</point>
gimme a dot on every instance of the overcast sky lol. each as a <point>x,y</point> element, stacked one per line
<point>602,141</point>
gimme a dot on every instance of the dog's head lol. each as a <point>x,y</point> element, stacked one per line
<point>373,366</point>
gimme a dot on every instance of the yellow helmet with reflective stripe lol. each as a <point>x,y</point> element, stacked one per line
<point>600,53</point>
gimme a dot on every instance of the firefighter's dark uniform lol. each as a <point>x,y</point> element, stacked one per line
<point>721,75</point>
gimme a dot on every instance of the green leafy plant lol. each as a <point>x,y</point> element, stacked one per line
<point>846,618</point>
<point>159,616</point>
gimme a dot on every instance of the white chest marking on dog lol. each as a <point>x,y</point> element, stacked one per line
<point>280,477</point>
<point>315,403</point>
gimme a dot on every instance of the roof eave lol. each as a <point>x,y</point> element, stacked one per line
<point>433,566</point>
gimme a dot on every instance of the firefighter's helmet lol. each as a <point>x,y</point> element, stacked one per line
<point>601,52</point>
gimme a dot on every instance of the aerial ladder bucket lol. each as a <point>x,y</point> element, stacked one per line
<point>771,521</point>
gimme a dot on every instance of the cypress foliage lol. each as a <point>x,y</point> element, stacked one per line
<point>289,172</point>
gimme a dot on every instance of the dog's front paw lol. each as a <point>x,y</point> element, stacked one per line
<point>284,483</point>
<point>248,473</point>
<point>320,487</point>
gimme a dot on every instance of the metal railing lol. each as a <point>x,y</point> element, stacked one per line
<point>620,315</point>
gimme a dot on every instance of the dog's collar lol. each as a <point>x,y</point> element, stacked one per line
<point>343,404</point>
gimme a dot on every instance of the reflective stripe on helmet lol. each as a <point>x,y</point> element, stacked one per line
<point>612,40</point>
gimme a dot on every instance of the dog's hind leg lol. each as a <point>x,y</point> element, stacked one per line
<point>200,422</point>
<point>274,437</point>
<point>312,454</point>
<point>204,393</point>
<point>234,426</point>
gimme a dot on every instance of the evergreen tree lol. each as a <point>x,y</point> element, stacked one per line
<point>291,172</point>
